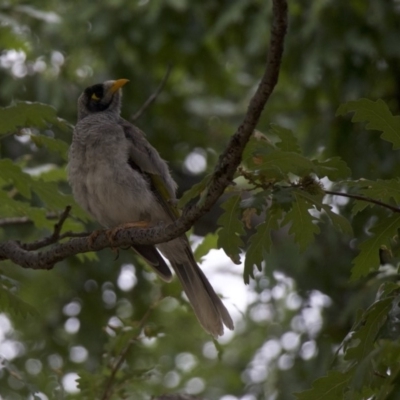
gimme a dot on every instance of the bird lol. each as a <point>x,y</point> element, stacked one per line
<point>119,178</point>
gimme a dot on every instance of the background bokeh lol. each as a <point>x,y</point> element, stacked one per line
<point>293,316</point>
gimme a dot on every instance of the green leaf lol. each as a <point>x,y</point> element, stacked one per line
<point>89,256</point>
<point>90,384</point>
<point>10,302</point>
<point>366,335</point>
<point>54,174</point>
<point>121,340</point>
<point>9,40</point>
<point>302,224</point>
<point>276,162</point>
<point>55,200</point>
<point>256,200</point>
<point>229,236</point>
<point>260,243</point>
<point>12,173</point>
<point>341,223</point>
<point>359,206</point>
<point>366,393</point>
<point>338,221</point>
<point>194,191</point>
<point>15,208</point>
<point>330,387</point>
<point>386,289</point>
<point>262,156</point>
<point>334,168</point>
<point>24,183</point>
<point>48,192</point>
<point>26,114</point>
<point>13,370</point>
<point>368,259</point>
<point>288,142</point>
<point>255,147</point>
<point>378,117</point>
<point>210,241</point>
<point>286,162</point>
<point>387,191</point>
<point>50,195</point>
<point>384,190</point>
<point>54,145</point>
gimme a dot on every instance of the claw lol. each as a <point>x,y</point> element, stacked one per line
<point>113,232</point>
<point>115,250</point>
<point>93,236</point>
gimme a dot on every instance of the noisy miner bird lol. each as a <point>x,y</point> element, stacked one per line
<point>119,178</point>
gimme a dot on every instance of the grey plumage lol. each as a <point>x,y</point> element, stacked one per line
<point>118,177</point>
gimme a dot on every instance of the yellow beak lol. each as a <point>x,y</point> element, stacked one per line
<point>118,84</point>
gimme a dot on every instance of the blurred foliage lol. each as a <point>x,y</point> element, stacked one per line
<point>304,320</point>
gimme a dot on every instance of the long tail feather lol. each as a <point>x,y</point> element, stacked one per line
<point>154,259</point>
<point>208,307</point>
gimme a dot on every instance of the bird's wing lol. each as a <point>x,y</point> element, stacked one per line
<point>146,160</point>
<point>144,157</point>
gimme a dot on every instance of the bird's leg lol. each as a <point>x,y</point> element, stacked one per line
<point>113,232</point>
<point>95,234</point>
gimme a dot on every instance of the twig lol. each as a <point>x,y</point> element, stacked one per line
<point>23,220</point>
<point>53,238</point>
<point>265,186</point>
<point>109,384</point>
<point>223,175</point>
<point>363,198</point>
<point>152,97</point>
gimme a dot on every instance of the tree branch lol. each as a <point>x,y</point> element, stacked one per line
<point>265,186</point>
<point>364,198</point>
<point>153,97</point>
<point>223,174</point>
<point>108,390</point>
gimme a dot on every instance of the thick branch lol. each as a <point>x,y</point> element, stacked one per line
<point>222,177</point>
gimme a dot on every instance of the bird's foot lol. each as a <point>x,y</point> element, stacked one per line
<point>113,232</point>
<point>93,236</point>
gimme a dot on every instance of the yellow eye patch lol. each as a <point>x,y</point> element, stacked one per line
<point>94,97</point>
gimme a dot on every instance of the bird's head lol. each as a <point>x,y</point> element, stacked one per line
<point>101,97</point>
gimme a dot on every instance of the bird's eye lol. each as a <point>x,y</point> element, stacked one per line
<point>95,97</point>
